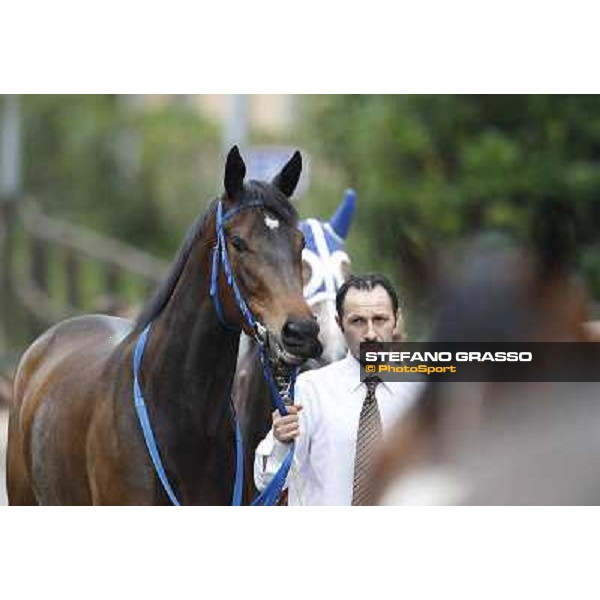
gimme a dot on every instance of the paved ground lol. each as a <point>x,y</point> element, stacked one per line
<point>3,426</point>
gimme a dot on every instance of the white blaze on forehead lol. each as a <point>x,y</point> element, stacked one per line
<point>271,223</point>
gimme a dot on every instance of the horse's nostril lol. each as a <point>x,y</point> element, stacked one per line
<point>299,331</point>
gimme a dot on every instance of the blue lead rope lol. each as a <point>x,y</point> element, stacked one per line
<point>238,484</point>
<point>271,494</point>
<point>142,413</point>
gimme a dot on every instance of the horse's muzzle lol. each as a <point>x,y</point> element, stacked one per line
<point>300,337</point>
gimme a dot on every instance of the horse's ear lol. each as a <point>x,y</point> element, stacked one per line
<point>288,177</point>
<point>342,218</point>
<point>235,171</point>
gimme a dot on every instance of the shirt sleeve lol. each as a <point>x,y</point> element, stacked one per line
<point>267,460</point>
<point>270,453</point>
<point>305,395</point>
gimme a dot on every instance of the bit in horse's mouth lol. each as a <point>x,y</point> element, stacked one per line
<point>283,364</point>
<point>286,358</point>
<point>282,374</point>
<point>276,352</point>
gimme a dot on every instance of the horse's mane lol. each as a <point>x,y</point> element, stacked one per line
<point>163,292</point>
<point>272,199</point>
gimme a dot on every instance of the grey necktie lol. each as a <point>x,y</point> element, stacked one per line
<point>369,433</point>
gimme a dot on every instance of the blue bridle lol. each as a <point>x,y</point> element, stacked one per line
<point>272,492</point>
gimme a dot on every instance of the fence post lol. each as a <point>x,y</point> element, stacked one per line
<point>72,277</point>
<point>113,278</point>
<point>114,303</point>
<point>38,268</point>
<point>10,190</point>
<point>10,316</point>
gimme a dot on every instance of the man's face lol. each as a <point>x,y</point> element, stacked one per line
<point>368,317</point>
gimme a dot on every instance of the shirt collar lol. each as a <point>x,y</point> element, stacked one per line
<point>352,367</point>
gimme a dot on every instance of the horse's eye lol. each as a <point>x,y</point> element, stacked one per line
<point>238,243</point>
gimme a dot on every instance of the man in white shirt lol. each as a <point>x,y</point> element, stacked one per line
<point>327,421</point>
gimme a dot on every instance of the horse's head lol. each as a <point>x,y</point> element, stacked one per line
<point>325,266</point>
<point>264,249</point>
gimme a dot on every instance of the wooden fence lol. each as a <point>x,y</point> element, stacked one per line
<point>37,251</point>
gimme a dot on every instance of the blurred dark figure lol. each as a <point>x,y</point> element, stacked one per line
<point>504,443</point>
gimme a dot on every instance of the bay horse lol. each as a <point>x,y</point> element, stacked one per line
<point>325,266</point>
<point>74,435</point>
<point>503,443</point>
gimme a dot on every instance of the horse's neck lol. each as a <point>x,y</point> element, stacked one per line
<point>194,364</point>
<point>187,371</point>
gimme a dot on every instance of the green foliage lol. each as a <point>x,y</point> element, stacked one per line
<point>435,167</point>
<point>431,167</point>
<point>139,175</point>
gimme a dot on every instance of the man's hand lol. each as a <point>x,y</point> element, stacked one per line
<point>287,428</point>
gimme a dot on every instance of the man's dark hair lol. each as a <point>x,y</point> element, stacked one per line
<point>366,282</point>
